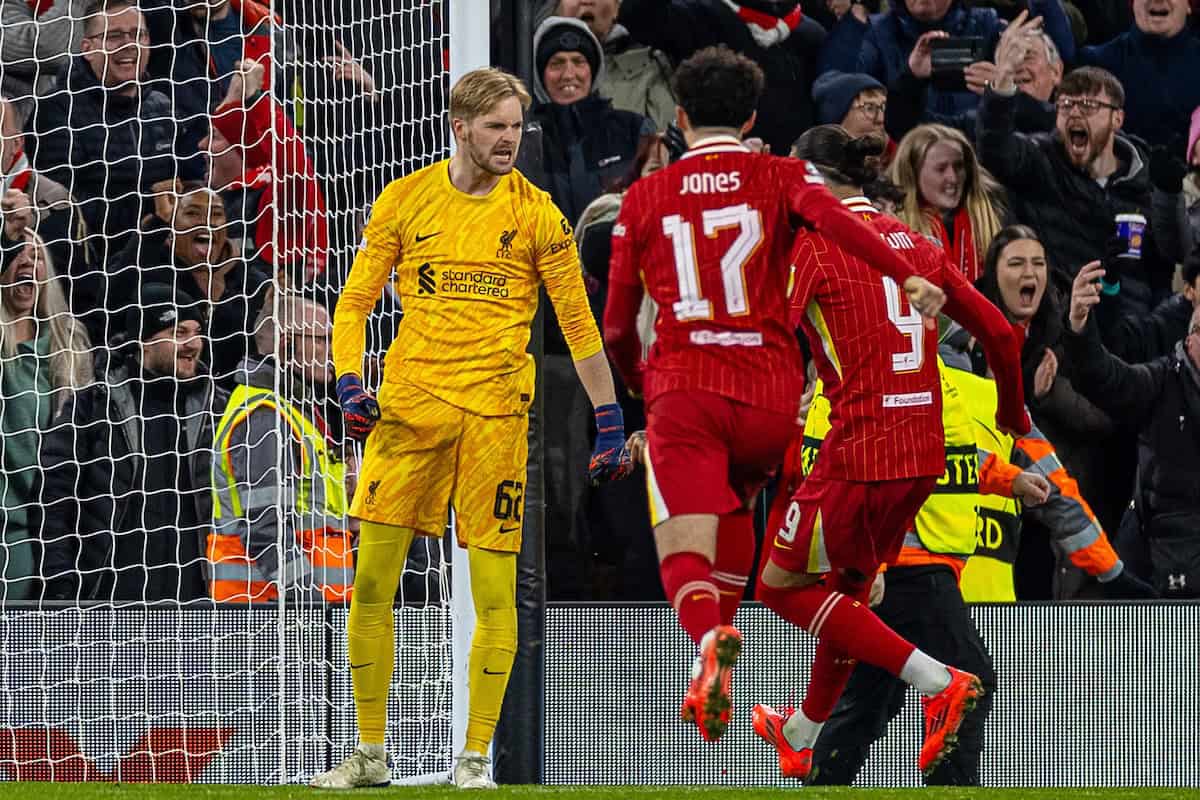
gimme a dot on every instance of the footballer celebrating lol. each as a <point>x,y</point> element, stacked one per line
<point>882,455</point>
<point>471,240</point>
<point>708,238</point>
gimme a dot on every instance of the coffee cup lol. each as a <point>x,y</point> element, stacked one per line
<point>1131,228</point>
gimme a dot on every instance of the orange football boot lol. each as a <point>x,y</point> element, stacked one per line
<point>768,724</point>
<point>944,715</point>
<point>708,702</point>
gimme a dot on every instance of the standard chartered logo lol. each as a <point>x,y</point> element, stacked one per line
<point>480,283</point>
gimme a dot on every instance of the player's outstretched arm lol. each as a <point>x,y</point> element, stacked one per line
<point>1001,344</point>
<point>378,252</point>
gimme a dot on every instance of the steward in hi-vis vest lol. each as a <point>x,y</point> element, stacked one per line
<point>253,496</point>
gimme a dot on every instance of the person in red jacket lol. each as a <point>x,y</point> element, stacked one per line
<point>258,161</point>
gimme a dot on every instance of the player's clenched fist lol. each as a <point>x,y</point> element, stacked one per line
<point>359,409</point>
<point>926,298</point>
<point>610,459</point>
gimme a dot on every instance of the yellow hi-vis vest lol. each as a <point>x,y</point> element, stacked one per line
<point>946,522</point>
<point>988,576</point>
<point>320,503</point>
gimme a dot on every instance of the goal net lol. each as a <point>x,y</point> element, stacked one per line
<point>185,183</point>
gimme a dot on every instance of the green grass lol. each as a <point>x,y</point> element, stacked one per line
<point>113,791</point>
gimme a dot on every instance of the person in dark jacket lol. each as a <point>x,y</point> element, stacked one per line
<point>1069,185</point>
<point>55,214</point>
<point>882,46</point>
<point>125,489</point>
<point>774,33</point>
<point>587,145</point>
<point>1161,57</point>
<point>1162,398</point>
<point>103,136</point>
<point>1037,70</point>
<point>187,247</point>
<point>1016,279</point>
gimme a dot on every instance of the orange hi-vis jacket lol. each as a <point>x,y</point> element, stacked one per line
<point>312,502</point>
<point>1073,527</point>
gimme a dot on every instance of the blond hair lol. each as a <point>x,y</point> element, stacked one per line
<point>981,192</point>
<point>70,348</point>
<point>480,90</point>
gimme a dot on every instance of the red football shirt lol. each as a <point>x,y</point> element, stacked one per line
<point>878,360</point>
<point>709,238</point>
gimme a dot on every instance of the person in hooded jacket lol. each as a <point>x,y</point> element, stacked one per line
<point>587,145</point>
<point>588,148</point>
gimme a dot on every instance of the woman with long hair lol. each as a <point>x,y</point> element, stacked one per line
<point>948,195</point>
<point>1016,279</point>
<point>44,355</point>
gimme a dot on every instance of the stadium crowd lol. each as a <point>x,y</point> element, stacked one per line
<point>167,241</point>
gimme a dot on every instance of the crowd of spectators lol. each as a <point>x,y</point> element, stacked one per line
<point>1078,121</point>
<point>165,222</point>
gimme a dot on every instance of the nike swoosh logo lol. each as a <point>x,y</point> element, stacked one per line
<point>509,530</point>
<point>487,671</point>
<point>421,238</point>
<point>360,666</point>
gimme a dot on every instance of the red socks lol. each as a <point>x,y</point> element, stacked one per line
<point>688,583</point>
<point>845,626</point>
<point>734,561</point>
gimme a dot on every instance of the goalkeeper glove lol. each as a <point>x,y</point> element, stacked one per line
<point>359,409</point>
<point>610,459</point>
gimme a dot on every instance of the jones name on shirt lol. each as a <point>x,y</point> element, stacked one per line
<point>709,182</point>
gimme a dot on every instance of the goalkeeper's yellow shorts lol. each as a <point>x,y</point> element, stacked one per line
<point>426,455</point>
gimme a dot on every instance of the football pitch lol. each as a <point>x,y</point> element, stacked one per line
<point>115,791</point>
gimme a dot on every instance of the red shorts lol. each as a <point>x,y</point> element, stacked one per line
<point>709,454</point>
<point>834,524</point>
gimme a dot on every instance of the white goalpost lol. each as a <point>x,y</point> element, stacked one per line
<point>177,613</point>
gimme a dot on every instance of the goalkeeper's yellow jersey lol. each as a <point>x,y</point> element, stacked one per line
<point>467,270</point>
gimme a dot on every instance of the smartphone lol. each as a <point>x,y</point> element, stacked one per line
<point>950,56</point>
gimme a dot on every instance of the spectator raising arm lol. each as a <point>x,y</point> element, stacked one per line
<point>251,120</point>
<point>1125,392</point>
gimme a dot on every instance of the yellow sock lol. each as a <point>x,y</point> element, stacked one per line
<point>370,631</point>
<point>494,592</point>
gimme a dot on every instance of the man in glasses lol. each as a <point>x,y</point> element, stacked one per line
<point>857,102</point>
<point>103,135</point>
<point>1071,184</point>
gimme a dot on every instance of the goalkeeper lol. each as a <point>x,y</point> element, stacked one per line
<point>471,240</point>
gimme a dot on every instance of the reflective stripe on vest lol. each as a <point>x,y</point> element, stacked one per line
<point>321,505</point>
<point>988,576</point>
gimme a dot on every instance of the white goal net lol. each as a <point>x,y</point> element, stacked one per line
<point>184,186</point>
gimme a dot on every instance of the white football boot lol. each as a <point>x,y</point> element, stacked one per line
<point>358,770</point>
<point>473,771</point>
